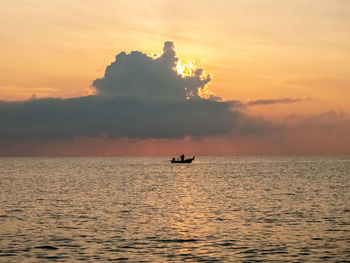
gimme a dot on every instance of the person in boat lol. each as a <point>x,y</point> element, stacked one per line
<point>182,157</point>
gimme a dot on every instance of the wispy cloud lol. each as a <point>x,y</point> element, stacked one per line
<point>272,101</point>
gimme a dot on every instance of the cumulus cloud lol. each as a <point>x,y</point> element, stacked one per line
<point>139,76</point>
<point>138,97</point>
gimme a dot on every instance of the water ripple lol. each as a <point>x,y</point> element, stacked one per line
<point>253,209</point>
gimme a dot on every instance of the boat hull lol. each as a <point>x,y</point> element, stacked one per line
<point>182,161</point>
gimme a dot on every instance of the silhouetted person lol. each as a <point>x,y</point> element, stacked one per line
<point>182,157</point>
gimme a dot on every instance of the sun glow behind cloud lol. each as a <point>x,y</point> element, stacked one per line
<point>190,69</point>
<point>183,68</point>
<point>186,69</point>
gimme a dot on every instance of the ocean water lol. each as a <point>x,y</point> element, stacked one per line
<point>251,209</point>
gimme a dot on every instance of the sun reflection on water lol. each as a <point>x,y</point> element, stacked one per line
<point>146,209</point>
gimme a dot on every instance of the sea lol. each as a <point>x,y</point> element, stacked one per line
<point>217,209</point>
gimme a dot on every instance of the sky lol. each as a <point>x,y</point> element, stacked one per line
<point>226,77</point>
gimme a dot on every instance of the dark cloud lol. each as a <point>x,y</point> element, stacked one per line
<point>138,97</point>
<point>325,121</point>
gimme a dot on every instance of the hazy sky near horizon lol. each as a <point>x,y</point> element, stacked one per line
<point>287,61</point>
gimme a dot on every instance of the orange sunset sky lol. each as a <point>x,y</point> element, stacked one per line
<point>284,63</point>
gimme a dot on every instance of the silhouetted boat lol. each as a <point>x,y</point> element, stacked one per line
<point>182,161</point>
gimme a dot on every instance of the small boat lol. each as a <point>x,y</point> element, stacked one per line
<point>182,160</point>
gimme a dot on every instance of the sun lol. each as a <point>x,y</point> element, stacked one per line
<point>186,69</point>
<point>191,69</point>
